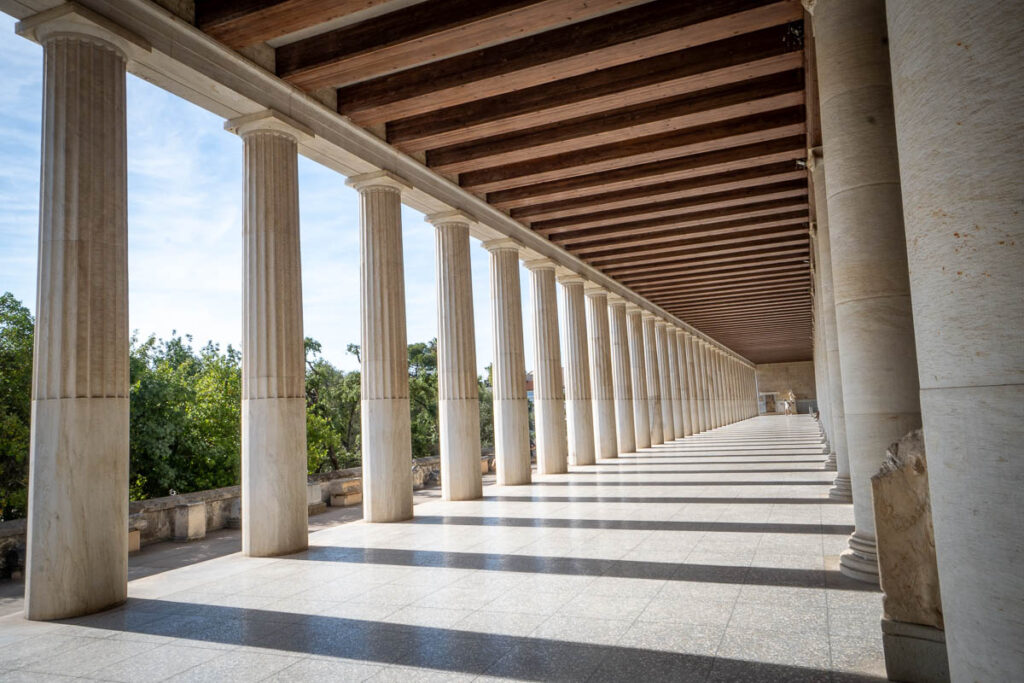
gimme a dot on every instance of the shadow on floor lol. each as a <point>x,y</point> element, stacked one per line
<point>659,499</point>
<point>640,525</point>
<point>445,649</point>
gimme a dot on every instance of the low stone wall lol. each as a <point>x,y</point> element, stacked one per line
<point>155,519</point>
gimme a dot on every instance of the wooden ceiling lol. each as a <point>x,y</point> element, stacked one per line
<point>661,141</point>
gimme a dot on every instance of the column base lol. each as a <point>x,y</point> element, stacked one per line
<point>387,460</point>
<point>914,653</point>
<point>830,463</point>
<point>459,422</point>
<point>860,560</point>
<point>841,489</point>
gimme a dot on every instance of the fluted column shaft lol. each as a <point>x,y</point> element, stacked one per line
<point>386,430</point>
<point>638,368</point>
<point>458,393</point>
<point>841,488</point>
<point>548,390</point>
<point>715,403</point>
<point>274,512</point>
<point>511,409</point>
<point>684,388</point>
<point>958,90</point>
<point>653,369</point>
<point>622,381</point>
<point>598,333</point>
<point>664,382</point>
<point>579,411</point>
<point>77,539</point>
<point>692,385</point>
<point>701,357</point>
<point>868,248</point>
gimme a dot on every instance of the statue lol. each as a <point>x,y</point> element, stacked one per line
<point>789,402</point>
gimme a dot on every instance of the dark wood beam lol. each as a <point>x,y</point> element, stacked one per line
<point>792,209</point>
<point>657,117</point>
<point>751,180</point>
<point>738,273</point>
<point>653,209</point>
<point>239,23</point>
<point>426,32</point>
<point>637,33</point>
<point>689,141</point>
<point>732,60</point>
<point>670,251</point>
<point>682,234</point>
<point>713,167</point>
<point>661,273</point>
<point>707,289</point>
<point>680,256</point>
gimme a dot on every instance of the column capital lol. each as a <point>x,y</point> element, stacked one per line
<point>647,315</point>
<point>615,299</point>
<point>377,179</point>
<point>539,263</point>
<point>594,289</point>
<point>453,216</point>
<point>502,243</point>
<point>809,5</point>
<point>269,120</point>
<point>73,20</point>
<point>568,277</point>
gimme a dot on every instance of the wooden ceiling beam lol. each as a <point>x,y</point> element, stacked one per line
<point>651,29</point>
<point>751,179</point>
<point>681,235</point>
<point>648,274</point>
<point>793,210</point>
<point>240,23</point>
<point>426,32</point>
<point>728,308</point>
<point>737,295</point>
<point>643,210</point>
<point>723,272</point>
<point>638,120</point>
<point>676,253</point>
<point>737,316</point>
<point>680,257</point>
<point>732,60</point>
<point>721,135</point>
<point>689,293</point>
<point>698,169</point>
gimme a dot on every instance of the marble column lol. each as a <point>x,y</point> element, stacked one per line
<point>701,348</point>
<point>622,381</point>
<point>548,390</point>
<point>692,385</point>
<point>511,410</point>
<point>819,355</point>
<point>386,432</point>
<point>77,554</point>
<point>684,389</point>
<point>458,391</point>
<point>638,369</point>
<point>715,402</point>
<point>665,382</point>
<point>868,248</point>
<point>841,488</point>
<point>653,370</point>
<point>274,512</point>
<point>579,410</point>
<point>676,404</point>
<point>601,384</point>
<point>958,90</point>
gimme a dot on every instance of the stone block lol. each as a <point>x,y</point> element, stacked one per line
<point>914,653</point>
<point>190,521</point>
<point>346,492</point>
<point>908,572</point>
<point>134,540</point>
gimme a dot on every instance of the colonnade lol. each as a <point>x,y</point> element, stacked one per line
<point>918,306</point>
<point>617,386</point>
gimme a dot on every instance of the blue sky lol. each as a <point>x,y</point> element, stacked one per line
<point>185,222</point>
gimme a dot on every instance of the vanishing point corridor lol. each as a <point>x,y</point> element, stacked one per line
<point>709,559</point>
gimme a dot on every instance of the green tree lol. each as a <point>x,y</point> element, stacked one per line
<point>423,398</point>
<point>332,412</point>
<point>16,333</point>
<point>487,408</point>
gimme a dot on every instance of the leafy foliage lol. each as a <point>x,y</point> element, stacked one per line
<point>16,326</point>
<point>185,431</point>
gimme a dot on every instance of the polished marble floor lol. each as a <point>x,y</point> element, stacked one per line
<point>709,559</point>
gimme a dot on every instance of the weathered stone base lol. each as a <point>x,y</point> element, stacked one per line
<point>860,560</point>
<point>830,463</point>
<point>914,653</point>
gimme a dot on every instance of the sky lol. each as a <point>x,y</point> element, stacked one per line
<point>185,224</point>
